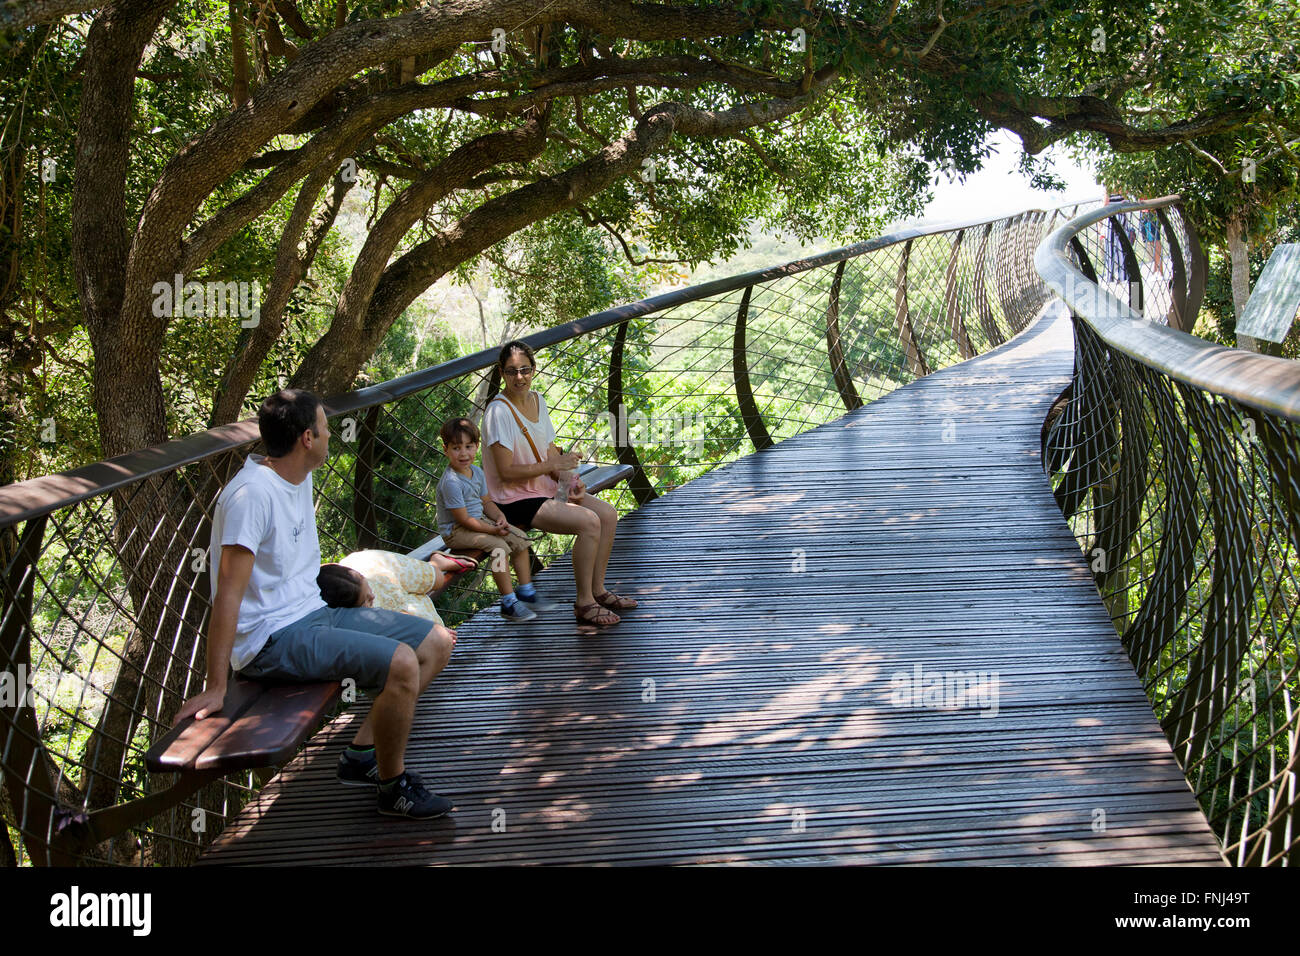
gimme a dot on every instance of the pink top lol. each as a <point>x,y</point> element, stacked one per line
<point>501,428</point>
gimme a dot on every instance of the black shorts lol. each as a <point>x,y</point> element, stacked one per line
<point>521,513</point>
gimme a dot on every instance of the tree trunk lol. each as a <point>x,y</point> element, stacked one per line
<point>128,396</point>
<point>128,393</point>
<point>19,352</point>
<point>292,264</point>
<point>158,524</point>
<point>8,858</point>
<point>1239,255</point>
<point>238,57</point>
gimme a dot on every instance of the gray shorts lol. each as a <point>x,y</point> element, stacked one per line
<point>337,643</point>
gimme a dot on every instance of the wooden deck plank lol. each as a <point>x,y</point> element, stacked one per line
<point>773,689</point>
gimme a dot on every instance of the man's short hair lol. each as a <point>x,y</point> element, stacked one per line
<point>284,416</point>
<point>454,429</point>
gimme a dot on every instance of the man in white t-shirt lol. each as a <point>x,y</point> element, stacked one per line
<point>269,622</point>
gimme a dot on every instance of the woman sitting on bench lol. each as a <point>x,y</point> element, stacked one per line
<point>522,464</point>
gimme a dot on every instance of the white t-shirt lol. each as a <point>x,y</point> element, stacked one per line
<point>275,520</point>
<point>500,428</point>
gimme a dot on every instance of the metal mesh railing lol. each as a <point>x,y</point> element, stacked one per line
<point>105,579</point>
<point>1177,464</point>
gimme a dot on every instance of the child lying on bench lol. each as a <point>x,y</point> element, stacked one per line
<point>388,580</point>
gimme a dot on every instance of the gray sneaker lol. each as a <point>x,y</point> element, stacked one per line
<point>408,797</point>
<point>536,602</point>
<point>519,611</point>
<point>363,772</point>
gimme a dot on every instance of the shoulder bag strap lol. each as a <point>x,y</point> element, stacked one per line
<point>522,427</point>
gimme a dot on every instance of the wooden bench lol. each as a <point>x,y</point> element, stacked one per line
<point>259,725</point>
<point>263,725</point>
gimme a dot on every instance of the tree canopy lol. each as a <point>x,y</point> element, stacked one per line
<point>218,140</point>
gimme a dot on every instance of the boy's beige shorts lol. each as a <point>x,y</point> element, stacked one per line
<point>514,541</point>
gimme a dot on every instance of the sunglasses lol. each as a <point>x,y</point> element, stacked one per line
<point>526,370</point>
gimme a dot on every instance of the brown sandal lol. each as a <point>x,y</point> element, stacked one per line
<point>614,601</point>
<point>594,614</point>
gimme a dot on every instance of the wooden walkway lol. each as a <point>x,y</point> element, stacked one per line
<point>750,711</point>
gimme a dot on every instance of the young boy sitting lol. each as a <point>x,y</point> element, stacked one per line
<point>468,518</point>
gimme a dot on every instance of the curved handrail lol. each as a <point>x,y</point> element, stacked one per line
<point>24,500</point>
<point>1174,461</point>
<point>1264,382</point>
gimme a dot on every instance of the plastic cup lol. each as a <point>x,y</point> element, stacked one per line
<point>564,483</point>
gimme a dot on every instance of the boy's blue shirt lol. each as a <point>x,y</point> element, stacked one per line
<point>456,491</point>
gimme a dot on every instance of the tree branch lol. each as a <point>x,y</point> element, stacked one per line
<point>1070,114</point>
<point>401,152</point>
<point>1207,157</point>
<point>934,37</point>
<point>580,121</point>
<point>368,116</point>
<point>388,169</point>
<point>1284,147</point>
<point>627,250</point>
<point>333,362</point>
<point>99,235</point>
<point>291,265</point>
<point>462,165</point>
<point>767,160</point>
<point>381,108</point>
<point>213,155</point>
<point>579,148</point>
<point>293,19</point>
<point>276,42</point>
<point>238,55</point>
<point>699,74</point>
<point>18,15</point>
<point>731,65</point>
<point>487,179</point>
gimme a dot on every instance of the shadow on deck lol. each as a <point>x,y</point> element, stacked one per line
<point>751,711</point>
